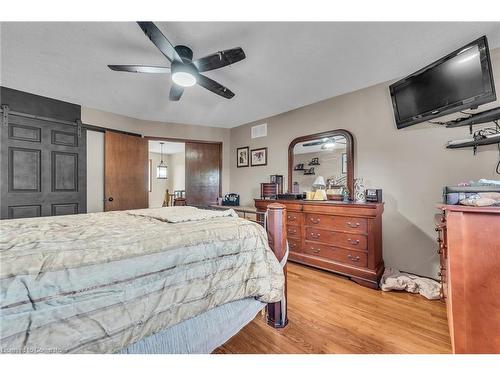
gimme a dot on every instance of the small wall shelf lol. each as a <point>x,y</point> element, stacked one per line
<point>481,142</point>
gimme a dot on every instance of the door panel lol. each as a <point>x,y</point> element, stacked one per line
<point>38,173</point>
<point>125,172</point>
<point>203,173</point>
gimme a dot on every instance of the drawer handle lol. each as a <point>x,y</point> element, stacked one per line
<point>440,274</point>
<point>354,259</point>
<point>292,217</point>
<point>291,244</point>
<point>353,242</point>
<point>315,235</point>
<point>315,251</point>
<point>315,220</point>
<point>292,231</point>
<point>440,251</point>
<point>353,225</point>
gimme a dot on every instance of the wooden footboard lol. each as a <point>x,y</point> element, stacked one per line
<point>276,231</point>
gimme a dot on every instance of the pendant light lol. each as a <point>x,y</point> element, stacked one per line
<point>161,169</point>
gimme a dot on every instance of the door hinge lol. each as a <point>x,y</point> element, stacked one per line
<point>5,115</point>
<point>79,128</point>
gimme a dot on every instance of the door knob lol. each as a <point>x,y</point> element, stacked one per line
<point>110,199</point>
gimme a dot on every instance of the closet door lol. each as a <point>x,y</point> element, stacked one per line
<point>43,168</point>
<point>125,172</point>
<point>203,173</point>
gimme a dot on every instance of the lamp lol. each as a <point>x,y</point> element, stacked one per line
<point>319,185</point>
<point>161,169</point>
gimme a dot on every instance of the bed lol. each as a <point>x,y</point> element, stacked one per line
<point>169,280</point>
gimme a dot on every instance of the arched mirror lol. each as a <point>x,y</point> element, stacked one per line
<point>327,157</point>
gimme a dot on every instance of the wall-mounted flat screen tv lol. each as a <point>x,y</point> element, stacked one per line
<point>459,81</point>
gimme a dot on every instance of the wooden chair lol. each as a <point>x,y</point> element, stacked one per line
<point>179,197</point>
<point>176,199</point>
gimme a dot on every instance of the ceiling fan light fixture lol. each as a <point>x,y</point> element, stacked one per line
<point>184,74</point>
<point>184,79</point>
<point>329,144</point>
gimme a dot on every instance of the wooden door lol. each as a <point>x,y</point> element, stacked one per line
<point>203,173</point>
<point>125,172</point>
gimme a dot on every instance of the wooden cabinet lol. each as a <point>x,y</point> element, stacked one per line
<point>345,238</point>
<point>469,251</point>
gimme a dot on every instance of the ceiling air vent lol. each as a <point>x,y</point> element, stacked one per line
<point>259,131</point>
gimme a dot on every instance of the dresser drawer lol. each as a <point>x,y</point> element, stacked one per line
<point>351,241</point>
<point>294,245</point>
<point>294,218</point>
<point>293,231</point>
<point>343,223</point>
<point>355,258</point>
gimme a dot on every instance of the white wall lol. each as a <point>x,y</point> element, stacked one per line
<point>95,171</point>
<point>178,170</point>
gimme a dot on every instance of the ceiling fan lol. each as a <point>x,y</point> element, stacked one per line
<point>185,72</point>
<point>326,143</point>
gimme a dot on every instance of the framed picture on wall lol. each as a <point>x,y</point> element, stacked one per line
<point>258,157</point>
<point>344,163</point>
<point>242,157</point>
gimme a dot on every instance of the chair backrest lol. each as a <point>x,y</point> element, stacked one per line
<point>180,193</point>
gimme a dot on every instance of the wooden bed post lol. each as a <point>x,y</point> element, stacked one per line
<point>276,232</point>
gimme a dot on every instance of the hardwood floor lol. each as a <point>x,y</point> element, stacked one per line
<point>330,314</point>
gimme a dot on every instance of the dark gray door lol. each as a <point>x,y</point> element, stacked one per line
<point>43,168</point>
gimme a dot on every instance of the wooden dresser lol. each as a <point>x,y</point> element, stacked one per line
<point>345,238</point>
<point>469,250</point>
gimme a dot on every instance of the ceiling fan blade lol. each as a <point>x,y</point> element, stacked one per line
<point>313,143</point>
<point>213,86</point>
<point>140,68</point>
<point>175,92</point>
<point>160,41</point>
<point>219,59</point>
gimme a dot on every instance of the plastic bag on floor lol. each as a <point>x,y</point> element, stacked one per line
<point>393,279</point>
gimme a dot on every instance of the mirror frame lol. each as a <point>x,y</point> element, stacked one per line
<point>349,150</point>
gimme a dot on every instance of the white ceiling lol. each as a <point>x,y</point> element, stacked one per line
<point>168,147</point>
<point>288,65</point>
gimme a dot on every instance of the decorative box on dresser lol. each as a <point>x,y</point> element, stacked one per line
<point>469,250</point>
<point>345,238</point>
